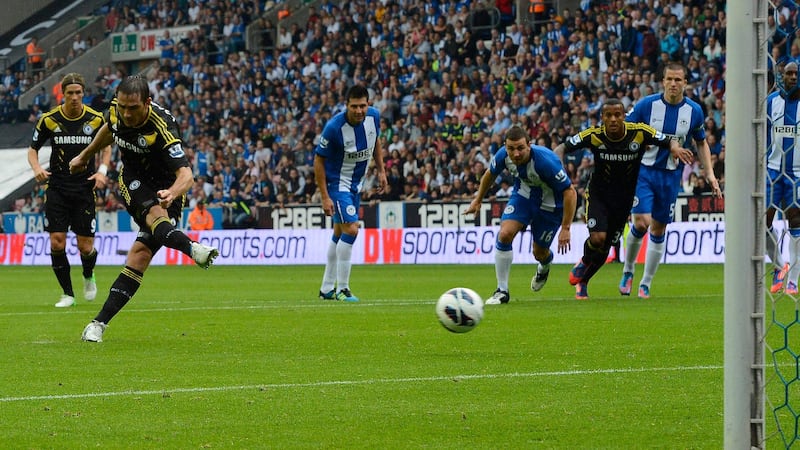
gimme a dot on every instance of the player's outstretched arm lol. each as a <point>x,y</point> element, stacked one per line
<point>100,177</point>
<point>184,179</point>
<point>676,151</point>
<point>486,182</point>
<point>101,140</point>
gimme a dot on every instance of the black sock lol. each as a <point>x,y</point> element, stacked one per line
<point>89,262</point>
<point>594,259</point>
<point>122,290</point>
<point>168,235</point>
<point>60,263</point>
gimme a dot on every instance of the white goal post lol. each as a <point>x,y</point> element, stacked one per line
<point>745,173</point>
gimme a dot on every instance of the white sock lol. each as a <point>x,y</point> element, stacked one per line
<point>773,249</point>
<point>632,246</point>
<point>655,251</point>
<point>794,254</point>
<point>343,253</point>
<point>329,278</point>
<point>502,267</point>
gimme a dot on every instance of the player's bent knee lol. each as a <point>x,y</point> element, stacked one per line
<point>505,238</point>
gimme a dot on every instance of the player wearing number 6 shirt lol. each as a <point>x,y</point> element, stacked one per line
<point>153,182</point>
<point>543,197</point>
<point>618,147</point>
<point>783,171</point>
<point>660,177</point>
<point>349,141</point>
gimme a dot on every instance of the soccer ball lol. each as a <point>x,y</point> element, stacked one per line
<point>460,309</point>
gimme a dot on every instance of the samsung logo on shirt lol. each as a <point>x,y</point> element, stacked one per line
<point>125,145</point>
<point>66,140</point>
<point>619,157</point>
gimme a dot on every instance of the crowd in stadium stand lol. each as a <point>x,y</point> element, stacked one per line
<point>446,95</point>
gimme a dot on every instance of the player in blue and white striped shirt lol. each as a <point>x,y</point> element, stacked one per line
<point>348,142</point>
<point>543,197</point>
<point>783,170</point>
<point>660,175</point>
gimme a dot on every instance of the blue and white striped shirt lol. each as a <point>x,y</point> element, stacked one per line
<point>541,180</point>
<point>347,150</point>
<point>676,121</point>
<point>782,135</point>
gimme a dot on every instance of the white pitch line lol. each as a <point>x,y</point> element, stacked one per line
<point>282,306</point>
<point>356,383</point>
<point>324,304</point>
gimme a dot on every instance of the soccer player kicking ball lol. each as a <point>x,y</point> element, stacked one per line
<point>618,147</point>
<point>543,197</point>
<point>153,182</point>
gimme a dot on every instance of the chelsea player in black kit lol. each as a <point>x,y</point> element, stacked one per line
<point>154,180</point>
<point>618,148</point>
<point>70,197</point>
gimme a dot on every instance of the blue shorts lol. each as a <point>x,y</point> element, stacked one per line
<point>656,193</point>
<point>345,207</point>
<point>782,191</point>
<point>544,224</point>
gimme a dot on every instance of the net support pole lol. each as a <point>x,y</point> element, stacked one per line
<point>746,82</point>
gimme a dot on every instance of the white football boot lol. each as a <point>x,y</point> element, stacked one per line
<point>94,331</point>
<point>65,301</point>
<point>203,255</point>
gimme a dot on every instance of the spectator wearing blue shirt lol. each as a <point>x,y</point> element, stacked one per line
<point>568,91</point>
<point>669,43</point>
<point>167,45</point>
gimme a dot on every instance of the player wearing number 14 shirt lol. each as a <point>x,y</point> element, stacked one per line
<point>618,148</point>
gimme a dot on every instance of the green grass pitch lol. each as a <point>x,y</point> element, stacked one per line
<point>248,357</point>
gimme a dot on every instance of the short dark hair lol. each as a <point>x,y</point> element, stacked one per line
<point>516,133</point>
<point>357,91</point>
<point>613,102</point>
<point>134,84</point>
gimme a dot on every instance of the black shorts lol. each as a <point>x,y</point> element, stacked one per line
<point>608,215</point>
<point>139,197</point>
<point>70,210</point>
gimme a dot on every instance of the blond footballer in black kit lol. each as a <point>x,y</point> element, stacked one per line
<point>153,182</point>
<point>70,197</point>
